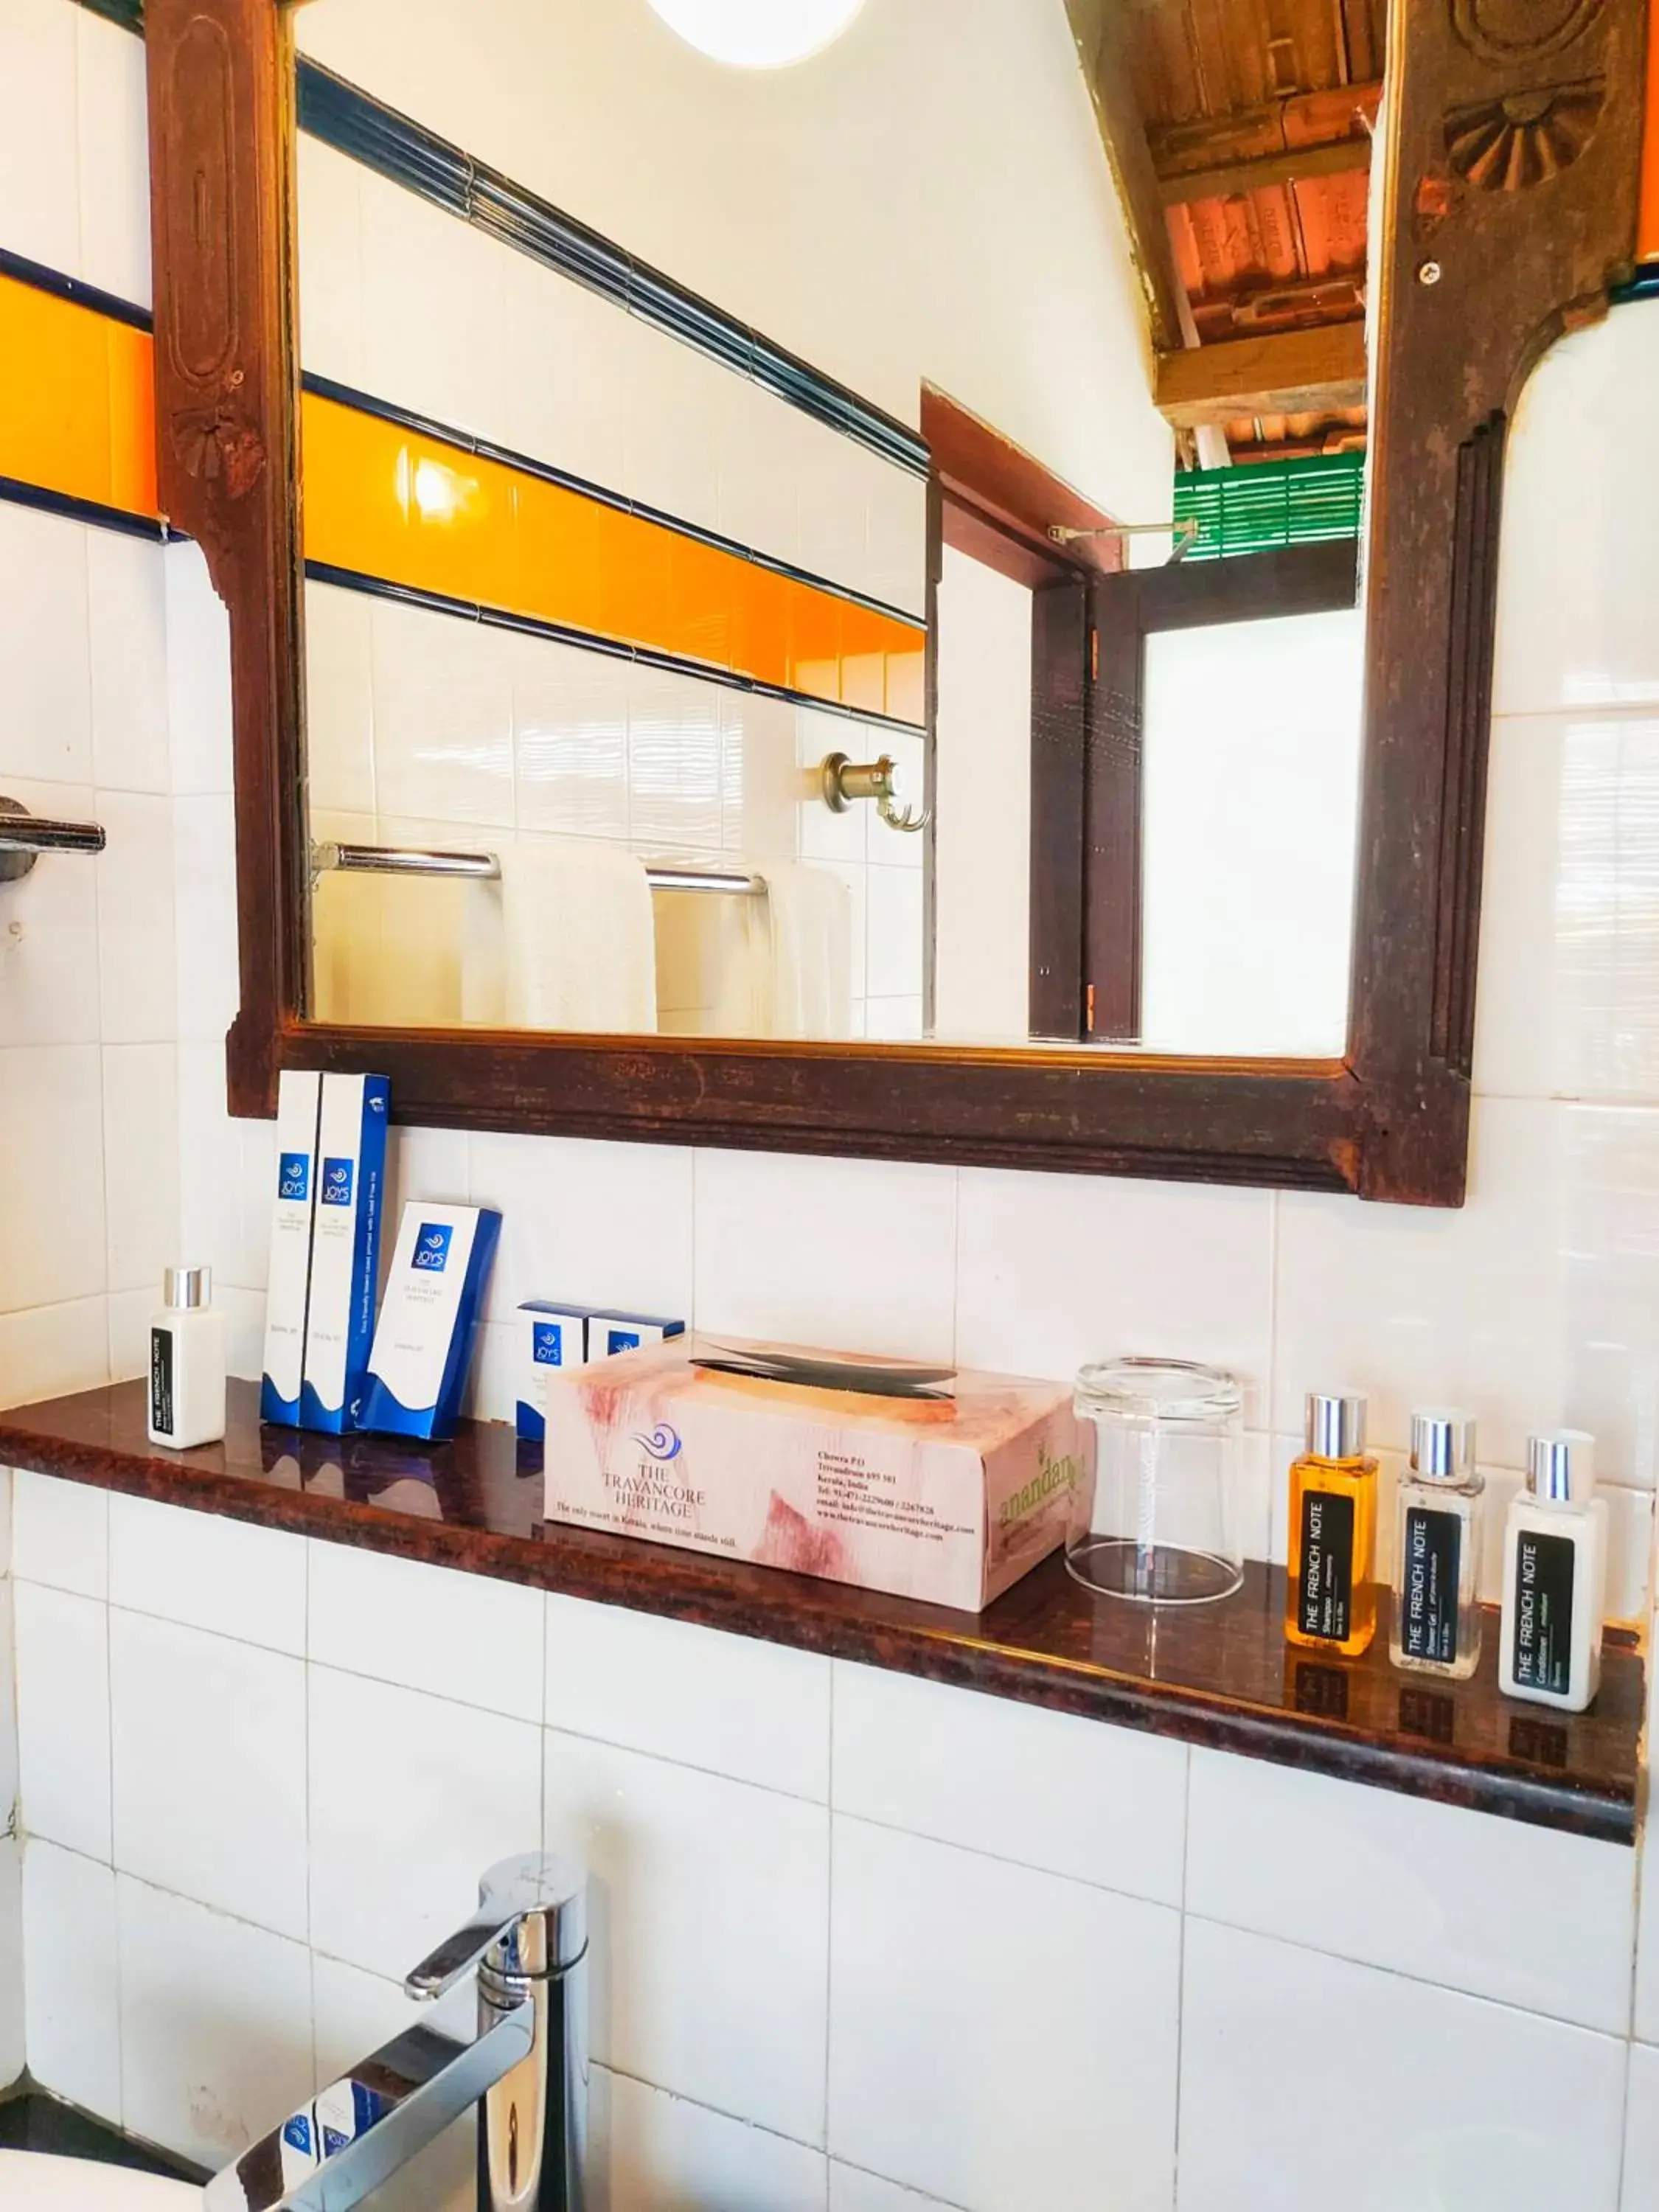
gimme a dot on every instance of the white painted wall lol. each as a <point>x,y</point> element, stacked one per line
<point>983,805</point>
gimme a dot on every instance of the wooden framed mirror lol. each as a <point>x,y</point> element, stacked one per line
<point>1508,148</point>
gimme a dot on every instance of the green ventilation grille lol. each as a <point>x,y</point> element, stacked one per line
<point>1264,503</point>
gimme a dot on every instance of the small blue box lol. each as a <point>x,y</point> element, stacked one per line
<point>550,1337</point>
<point>608,1334</point>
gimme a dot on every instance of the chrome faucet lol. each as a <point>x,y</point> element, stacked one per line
<point>526,2070</point>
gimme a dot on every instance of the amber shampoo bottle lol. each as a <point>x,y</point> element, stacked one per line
<point>1330,1602</point>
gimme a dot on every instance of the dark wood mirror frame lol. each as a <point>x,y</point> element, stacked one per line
<point>1479,269</point>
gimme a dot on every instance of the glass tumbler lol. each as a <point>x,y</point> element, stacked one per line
<point>1164,1528</point>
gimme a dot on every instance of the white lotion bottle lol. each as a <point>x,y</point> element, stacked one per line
<point>1555,1576</point>
<point>187,1363</point>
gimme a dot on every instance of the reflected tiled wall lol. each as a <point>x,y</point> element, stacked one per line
<point>417,720</point>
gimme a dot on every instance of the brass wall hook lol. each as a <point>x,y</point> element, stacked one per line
<point>844,780</point>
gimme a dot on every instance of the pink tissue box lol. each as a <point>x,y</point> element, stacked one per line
<point>949,1499</point>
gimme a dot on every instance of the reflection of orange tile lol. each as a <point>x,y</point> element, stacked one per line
<point>459,518</point>
<point>707,591</point>
<point>564,556</point>
<point>760,634</point>
<point>395,504</point>
<point>864,682</point>
<point>354,477</point>
<point>815,630</point>
<point>907,680</point>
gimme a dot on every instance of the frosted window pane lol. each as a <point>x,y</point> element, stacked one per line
<point>1251,735</point>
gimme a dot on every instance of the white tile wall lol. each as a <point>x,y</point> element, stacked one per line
<point>774,1977</point>
<point>64,1718</point>
<point>208,1783</point>
<point>1302,2076</point>
<point>999,2037</point>
<point>71,1977</point>
<point>724,1703</point>
<point>13,2020</point>
<point>411,1798</point>
<point>232,2004</point>
<point>1387,1881</point>
<point>711,1912</point>
<point>1641,2187</point>
<point>1043,1790</point>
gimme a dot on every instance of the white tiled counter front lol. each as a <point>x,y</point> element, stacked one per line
<point>862,1943</point>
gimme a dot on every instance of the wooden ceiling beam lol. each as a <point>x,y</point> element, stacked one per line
<point>1288,373</point>
<point>1245,134</point>
<point>1101,28</point>
<point>1338,157</point>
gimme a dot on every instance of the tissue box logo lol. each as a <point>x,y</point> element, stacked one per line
<point>294,1177</point>
<point>621,1339</point>
<point>661,1444</point>
<point>548,1344</point>
<point>337,1184</point>
<point>432,1247</point>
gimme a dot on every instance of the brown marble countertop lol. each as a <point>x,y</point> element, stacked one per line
<point>1217,1674</point>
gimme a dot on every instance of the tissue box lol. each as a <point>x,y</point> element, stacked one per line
<point>925,1485</point>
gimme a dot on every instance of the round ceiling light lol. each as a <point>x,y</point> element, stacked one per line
<point>757,33</point>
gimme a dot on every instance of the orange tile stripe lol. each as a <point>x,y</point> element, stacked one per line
<point>402,507</point>
<point>393,502</point>
<point>1647,233</point>
<point>77,408</point>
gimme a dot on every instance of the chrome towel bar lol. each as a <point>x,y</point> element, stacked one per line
<point>397,860</point>
<point>401,860</point>
<point>24,836</point>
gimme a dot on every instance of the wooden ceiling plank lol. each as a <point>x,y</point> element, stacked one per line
<point>1337,159</point>
<point>1289,373</point>
<point>1101,32</point>
<point>1309,119</point>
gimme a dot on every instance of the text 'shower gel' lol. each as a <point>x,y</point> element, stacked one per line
<point>429,1323</point>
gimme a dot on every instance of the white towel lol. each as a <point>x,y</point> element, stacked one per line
<point>387,951</point>
<point>714,964</point>
<point>565,941</point>
<point>809,916</point>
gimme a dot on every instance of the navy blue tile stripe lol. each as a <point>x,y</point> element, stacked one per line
<point>129,14</point>
<point>37,274</point>
<point>325,387</point>
<point>1643,285</point>
<point>643,656</point>
<point>19,493</point>
<point>355,124</point>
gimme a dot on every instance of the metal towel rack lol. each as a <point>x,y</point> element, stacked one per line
<point>408,860</point>
<point>24,836</point>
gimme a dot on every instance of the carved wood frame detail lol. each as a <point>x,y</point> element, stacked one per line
<point>1474,284</point>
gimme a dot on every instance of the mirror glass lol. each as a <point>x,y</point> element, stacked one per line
<point>666,675</point>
